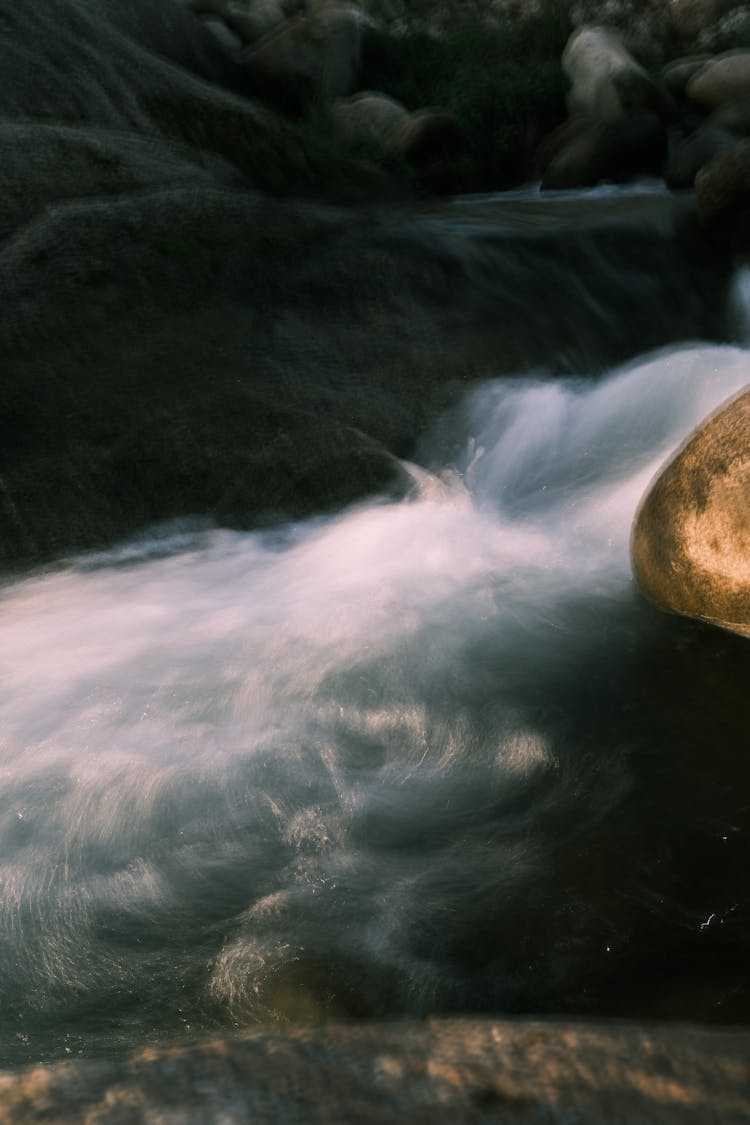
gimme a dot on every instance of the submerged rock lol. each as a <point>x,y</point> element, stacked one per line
<point>691,537</point>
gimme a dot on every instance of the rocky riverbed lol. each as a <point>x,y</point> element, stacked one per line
<point>326,694</point>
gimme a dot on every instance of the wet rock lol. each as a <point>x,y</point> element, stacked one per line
<point>219,29</point>
<point>733,116</point>
<point>731,31</point>
<point>217,8</point>
<point>691,17</point>
<point>312,56</point>
<point>615,151</point>
<point>606,81</point>
<point>691,537</point>
<point>677,73</point>
<point>367,119</point>
<point>439,1072</point>
<point>722,80</point>
<point>722,195</point>
<point>433,142</point>
<point>694,152</point>
<point>252,22</point>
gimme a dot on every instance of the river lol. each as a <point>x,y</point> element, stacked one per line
<point>431,754</point>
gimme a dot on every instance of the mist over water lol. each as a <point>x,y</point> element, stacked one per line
<point>424,756</point>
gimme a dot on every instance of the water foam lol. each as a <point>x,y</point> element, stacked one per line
<point>280,755</point>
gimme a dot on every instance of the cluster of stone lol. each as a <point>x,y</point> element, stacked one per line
<point>642,102</point>
<point>689,123</point>
<point>299,55</point>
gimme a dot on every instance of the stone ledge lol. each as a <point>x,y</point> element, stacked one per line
<point>441,1070</point>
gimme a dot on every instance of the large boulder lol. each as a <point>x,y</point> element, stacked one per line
<point>722,196</point>
<point>692,18</point>
<point>606,81</point>
<point>433,143</point>
<point>221,31</point>
<point>694,152</point>
<point>677,73</point>
<point>175,342</point>
<point>595,151</point>
<point>156,77</point>
<point>734,116</point>
<point>691,537</point>
<point>316,55</point>
<point>367,120</point>
<point>731,31</point>
<point>250,23</point>
<point>722,80</point>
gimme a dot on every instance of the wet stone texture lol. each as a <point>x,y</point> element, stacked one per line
<point>436,1071</point>
<point>691,537</point>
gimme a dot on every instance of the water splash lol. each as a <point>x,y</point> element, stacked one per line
<point>339,769</point>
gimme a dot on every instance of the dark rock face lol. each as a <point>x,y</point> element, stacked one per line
<point>691,538</point>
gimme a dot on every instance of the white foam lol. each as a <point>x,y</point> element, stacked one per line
<point>248,692</point>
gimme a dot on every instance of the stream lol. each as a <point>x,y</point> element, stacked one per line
<point>425,754</point>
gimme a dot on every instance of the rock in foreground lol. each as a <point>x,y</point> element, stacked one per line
<point>691,538</point>
<point>441,1071</point>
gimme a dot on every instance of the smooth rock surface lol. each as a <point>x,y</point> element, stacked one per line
<point>677,73</point>
<point>252,22</point>
<point>724,79</point>
<point>694,152</point>
<point>734,116</point>
<point>315,55</point>
<point>606,81</point>
<point>691,536</point>
<point>615,151</point>
<point>434,1073</point>
<point>368,118</point>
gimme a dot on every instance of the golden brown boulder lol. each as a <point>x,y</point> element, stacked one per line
<point>691,537</point>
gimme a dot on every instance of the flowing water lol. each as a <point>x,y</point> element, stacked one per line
<point>426,755</point>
